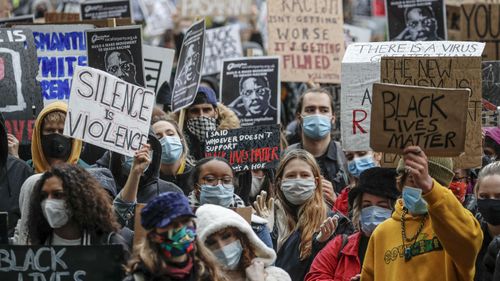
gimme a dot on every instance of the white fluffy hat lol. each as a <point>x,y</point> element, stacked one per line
<point>212,218</point>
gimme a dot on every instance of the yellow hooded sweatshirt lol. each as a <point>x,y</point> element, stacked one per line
<point>39,162</point>
<point>445,250</point>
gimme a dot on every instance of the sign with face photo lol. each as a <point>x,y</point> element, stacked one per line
<point>118,51</point>
<point>256,102</point>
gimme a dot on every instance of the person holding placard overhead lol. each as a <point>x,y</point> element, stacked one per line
<point>430,236</point>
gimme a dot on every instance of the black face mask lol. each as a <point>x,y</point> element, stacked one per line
<point>490,210</point>
<point>56,146</point>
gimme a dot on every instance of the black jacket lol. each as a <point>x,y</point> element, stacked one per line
<point>491,261</point>
<point>183,180</point>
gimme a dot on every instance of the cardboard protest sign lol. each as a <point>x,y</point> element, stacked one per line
<point>251,88</point>
<point>14,20</point>
<point>221,43</point>
<point>431,118</point>
<point>117,51</point>
<point>250,148</point>
<point>107,112</point>
<point>355,34</point>
<point>158,16</point>
<point>82,263</point>
<point>361,68</point>
<point>308,36</point>
<point>157,66</point>
<point>491,81</point>
<point>453,22</point>
<point>480,22</point>
<point>188,75</point>
<point>54,17</point>
<point>95,10</point>
<point>419,20</point>
<point>20,99</point>
<point>444,72</point>
<point>59,49</point>
<point>205,8</point>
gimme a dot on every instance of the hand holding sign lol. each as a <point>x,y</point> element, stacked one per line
<point>141,160</point>
<point>416,164</point>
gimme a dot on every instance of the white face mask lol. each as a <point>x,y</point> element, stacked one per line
<point>298,191</point>
<point>229,256</point>
<point>55,212</point>
<point>256,185</point>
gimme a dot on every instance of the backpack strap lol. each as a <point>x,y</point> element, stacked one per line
<point>344,242</point>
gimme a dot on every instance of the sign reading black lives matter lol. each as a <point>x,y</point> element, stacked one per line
<point>118,51</point>
<point>250,87</point>
<point>19,90</point>
<point>249,148</point>
<point>418,20</point>
<point>188,75</point>
<point>71,263</point>
<point>221,43</point>
<point>108,112</point>
<point>96,10</point>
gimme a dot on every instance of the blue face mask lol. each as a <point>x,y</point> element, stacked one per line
<point>221,195</point>
<point>413,201</point>
<point>359,165</point>
<point>171,149</point>
<point>317,126</point>
<point>371,217</point>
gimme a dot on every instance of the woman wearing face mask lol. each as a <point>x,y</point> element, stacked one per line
<point>214,184</point>
<point>487,192</point>
<point>176,164</point>
<point>170,249</point>
<point>372,202</point>
<point>357,162</point>
<point>430,236</point>
<point>302,218</point>
<point>69,207</point>
<point>237,248</point>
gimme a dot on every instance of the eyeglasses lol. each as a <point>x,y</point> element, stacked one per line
<point>258,92</point>
<point>213,181</point>
<point>427,22</point>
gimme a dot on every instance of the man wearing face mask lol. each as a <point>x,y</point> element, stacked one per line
<point>316,116</point>
<point>203,116</point>
<point>430,236</point>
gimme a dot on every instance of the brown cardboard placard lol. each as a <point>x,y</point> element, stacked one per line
<point>479,22</point>
<point>52,17</point>
<point>453,22</point>
<point>245,212</point>
<point>444,72</point>
<point>139,231</point>
<point>309,37</point>
<point>432,118</point>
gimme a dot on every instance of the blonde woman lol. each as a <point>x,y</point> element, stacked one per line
<point>303,221</point>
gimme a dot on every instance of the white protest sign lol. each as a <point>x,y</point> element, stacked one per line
<point>108,112</point>
<point>221,43</point>
<point>157,66</point>
<point>361,68</point>
<point>206,8</point>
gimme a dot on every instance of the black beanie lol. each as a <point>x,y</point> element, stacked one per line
<point>376,181</point>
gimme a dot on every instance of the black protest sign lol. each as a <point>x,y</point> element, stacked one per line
<point>491,81</point>
<point>16,20</point>
<point>71,263</point>
<point>96,10</point>
<point>250,148</point>
<point>118,51</point>
<point>419,20</point>
<point>188,75</point>
<point>20,98</point>
<point>221,43</point>
<point>250,87</point>
<point>433,118</point>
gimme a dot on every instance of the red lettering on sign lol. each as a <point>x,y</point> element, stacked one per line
<point>355,122</point>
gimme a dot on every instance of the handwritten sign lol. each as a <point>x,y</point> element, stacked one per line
<point>361,68</point>
<point>72,263</point>
<point>205,8</point>
<point>188,75</point>
<point>431,118</point>
<point>480,22</point>
<point>250,148</point>
<point>95,10</point>
<point>108,112</point>
<point>221,43</point>
<point>20,98</point>
<point>308,36</point>
<point>157,66</point>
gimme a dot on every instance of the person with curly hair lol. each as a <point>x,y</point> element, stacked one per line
<point>69,207</point>
<point>171,250</point>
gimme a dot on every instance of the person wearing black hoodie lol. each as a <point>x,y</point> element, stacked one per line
<point>13,172</point>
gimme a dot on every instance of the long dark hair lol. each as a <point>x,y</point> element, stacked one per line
<point>86,199</point>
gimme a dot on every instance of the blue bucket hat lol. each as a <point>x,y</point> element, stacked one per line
<point>165,208</point>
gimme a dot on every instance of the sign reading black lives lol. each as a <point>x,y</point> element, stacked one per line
<point>188,75</point>
<point>250,87</point>
<point>19,90</point>
<point>418,20</point>
<point>96,10</point>
<point>250,148</point>
<point>118,51</point>
<point>71,263</point>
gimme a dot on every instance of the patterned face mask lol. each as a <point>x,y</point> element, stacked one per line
<point>199,126</point>
<point>177,243</point>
